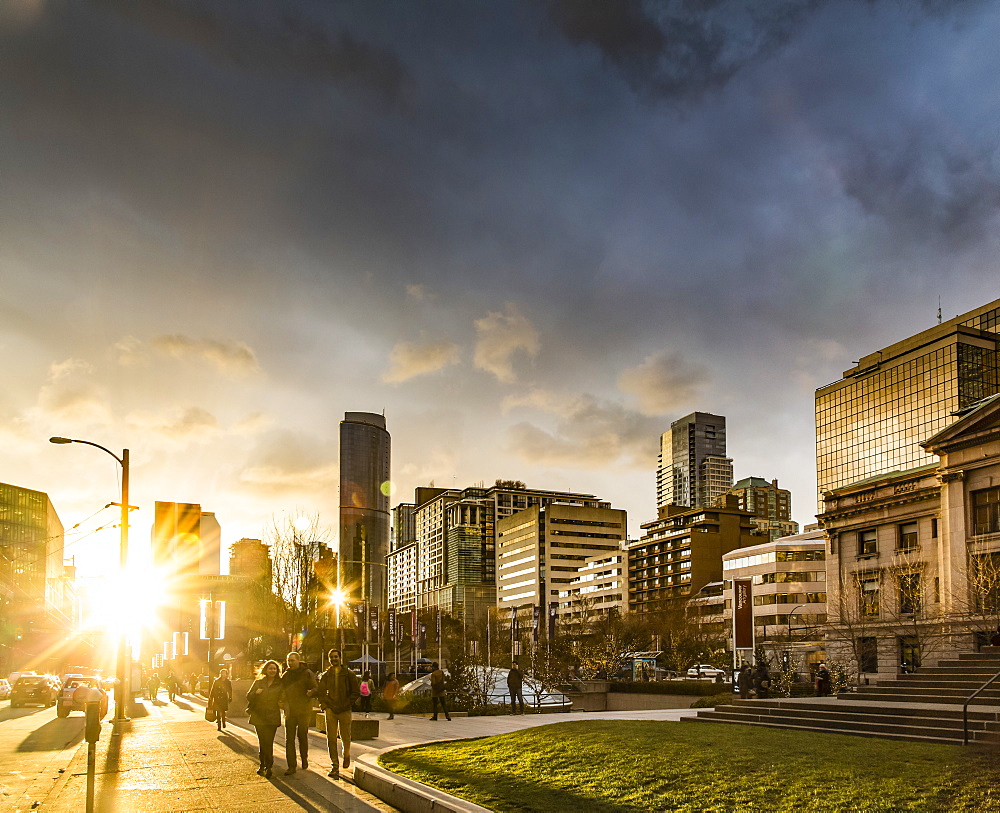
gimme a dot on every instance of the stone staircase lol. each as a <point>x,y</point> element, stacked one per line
<point>924,706</point>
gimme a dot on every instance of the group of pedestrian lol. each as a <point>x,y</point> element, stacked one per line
<point>756,680</point>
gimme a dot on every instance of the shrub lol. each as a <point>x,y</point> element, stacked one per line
<point>724,699</point>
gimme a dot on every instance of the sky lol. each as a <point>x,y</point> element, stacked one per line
<point>532,233</point>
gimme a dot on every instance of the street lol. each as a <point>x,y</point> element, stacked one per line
<point>35,747</point>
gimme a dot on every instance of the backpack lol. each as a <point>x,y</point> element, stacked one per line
<point>365,688</point>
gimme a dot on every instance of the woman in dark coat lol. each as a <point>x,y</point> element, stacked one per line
<point>220,696</point>
<point>264,706</point>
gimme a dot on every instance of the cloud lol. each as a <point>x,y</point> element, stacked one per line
<point>286,462</point>
<point>282,38</point>
<point>70,395</point>
<point>590,434</point>
<point>499,337</point>
<point>189,423</point>
<point>418,292</point>
<point>408,360</point>
<point>277,480</point>
<point>131,352</point>
<point>232,358</point>
<point>679,50</point>
<point>664,382</point>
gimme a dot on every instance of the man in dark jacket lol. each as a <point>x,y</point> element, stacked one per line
<point>299,684</point>
<point>439,692</point>
<point>515,682</point>
<point>338,689</point>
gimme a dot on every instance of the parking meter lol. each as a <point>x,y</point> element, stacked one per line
<point>92,732</point>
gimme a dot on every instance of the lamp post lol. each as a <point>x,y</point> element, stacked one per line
<point>790,614</point>
<point>122,687</point>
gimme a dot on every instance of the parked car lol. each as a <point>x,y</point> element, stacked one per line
<point>74,695</point>
<point>4,688</point>
<point>706,670</point>
<point>37,690</point>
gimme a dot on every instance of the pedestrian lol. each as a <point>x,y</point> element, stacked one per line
<point>300,685</point>
<point>171,683</point>
<point>822,681</point>
<point>744,681</point>
<point>219,697</point>
<point>153,686</point>
<point>439,694</point>
<point>338,689</point>
<point>264,708</point>
<point>367,688</point>
<point>515,685</point>
<point>390,692</point>
<point>762,680</point>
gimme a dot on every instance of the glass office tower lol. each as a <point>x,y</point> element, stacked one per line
<point>364,506</point>
<point>693,469</point>
<point>872,421</point>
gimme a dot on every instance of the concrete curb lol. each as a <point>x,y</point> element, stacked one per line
<point>404,794</point>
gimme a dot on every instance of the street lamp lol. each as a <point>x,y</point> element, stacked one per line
<point>122,687</point>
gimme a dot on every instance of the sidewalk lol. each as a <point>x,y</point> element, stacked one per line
<point>168,758</point>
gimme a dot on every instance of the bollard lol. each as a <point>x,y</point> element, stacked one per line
<point>92,733</point>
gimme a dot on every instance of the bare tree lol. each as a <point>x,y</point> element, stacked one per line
<point>295,543</point>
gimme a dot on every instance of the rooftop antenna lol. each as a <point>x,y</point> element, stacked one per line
<point>939,309</point>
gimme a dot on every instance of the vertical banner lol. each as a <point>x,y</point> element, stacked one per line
<point>373,623</point>
<point>439,625</point>
<point>391,621</point>
<point>742,614</point>
<point>515,632</point>
<point>360,621</point>
<point>553,608</point>
<point>413,625</point>
<point>422,637</point>
<point>536,611</point>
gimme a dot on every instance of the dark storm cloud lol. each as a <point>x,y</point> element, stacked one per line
<point>682,49</point>
<point>270,37</point>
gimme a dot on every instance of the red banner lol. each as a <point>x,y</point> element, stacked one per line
<point>742,614</point>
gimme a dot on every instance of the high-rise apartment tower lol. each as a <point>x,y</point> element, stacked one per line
<point>693,469</point>
<point>364,506</point>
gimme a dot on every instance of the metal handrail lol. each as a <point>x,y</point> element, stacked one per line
<point>965,707</point>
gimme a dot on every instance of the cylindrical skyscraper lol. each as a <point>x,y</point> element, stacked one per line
<point>364,506</point>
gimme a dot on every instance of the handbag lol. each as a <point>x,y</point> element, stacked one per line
<point>210,715</point>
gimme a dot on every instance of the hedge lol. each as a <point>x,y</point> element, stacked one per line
<point>697,687</point>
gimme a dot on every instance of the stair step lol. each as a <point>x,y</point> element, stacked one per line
<point>808,726</point>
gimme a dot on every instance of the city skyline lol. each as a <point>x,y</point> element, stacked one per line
<point>532,251</point>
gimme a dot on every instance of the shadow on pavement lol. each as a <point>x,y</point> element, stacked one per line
<point>55,735</point>
<point>16,714</point>
<point>306,797</point>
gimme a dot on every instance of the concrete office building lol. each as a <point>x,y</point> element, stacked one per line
<point>874,420</point>
<point>788,586</point>
<point>186,540</point>
<point>251,559</point>
<point>681,552</point>
<point>771,506</point>
<point>37,605</point>
<point>693,469</point>
<point>597,590</point>
<point>401,574</point>
<point>541,549</point>
<point>364,506</point>
<point>456,541</point>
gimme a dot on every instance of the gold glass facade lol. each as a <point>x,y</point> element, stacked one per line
<point>872,422</point>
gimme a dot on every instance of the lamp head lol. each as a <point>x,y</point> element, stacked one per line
<point>60,440</point>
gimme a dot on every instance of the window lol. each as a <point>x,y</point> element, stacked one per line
<point>934,530</point>
<point>909,593</point>
<point>867,652</point>
<point>907,536</point>
<point>868,595</point>
<point>986,510</point>
<point>867,543</point>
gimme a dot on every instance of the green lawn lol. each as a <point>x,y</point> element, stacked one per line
<point>610,765</point>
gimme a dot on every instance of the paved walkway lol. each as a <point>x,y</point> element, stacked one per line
<point>169,758</point>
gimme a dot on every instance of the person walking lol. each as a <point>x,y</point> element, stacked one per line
<point>338,689</point>
<point>762,681</point>
<point>515,685</point>
<point>220,696</point>
<point>171,683</point>
<point>390,692</point>
<point>744,681</point>
<point>264,706</point>
<point>822,681</point>
<point>153,686</point>
<point>367,689</point>
<point>439,694</point>
<point>300,685</point>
